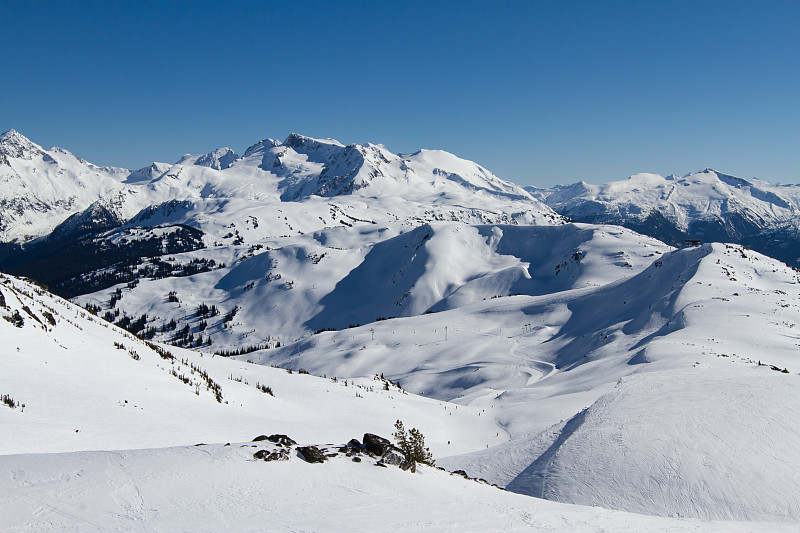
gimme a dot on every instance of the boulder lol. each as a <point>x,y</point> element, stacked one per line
<point>266,455</point>
<point>311,454</point>
<point>282,440</point>
<point>392,457</point>
<point>375,444</point>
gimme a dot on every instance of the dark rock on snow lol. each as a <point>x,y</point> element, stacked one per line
<point>375,444</point>
<point>282,440</point>
<point>393,458</point>
<point>266,455</point>
<point>311,454</point>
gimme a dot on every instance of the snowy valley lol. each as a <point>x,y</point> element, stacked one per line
<point>600,378</point>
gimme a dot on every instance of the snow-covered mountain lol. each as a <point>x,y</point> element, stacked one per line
<point>285,289</point>
<point>277,189</point>
<point>707,205</point>
<point>42,188</point>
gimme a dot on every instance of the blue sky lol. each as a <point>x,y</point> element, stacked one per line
<point>538,92</point>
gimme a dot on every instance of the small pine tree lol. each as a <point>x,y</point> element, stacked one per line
<point>412,444</point>
<point>419,452</point>
<point>400,436</point>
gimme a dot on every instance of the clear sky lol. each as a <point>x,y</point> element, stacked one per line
<point>539,92</point>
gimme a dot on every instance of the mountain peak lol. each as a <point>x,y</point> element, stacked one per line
<point>14,144</point>
<point>10,133</point>
<point>219,159</point>
<point>261,146</point>
<point>298,143</point>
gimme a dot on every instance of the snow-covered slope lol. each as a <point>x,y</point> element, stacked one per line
<point>577,362</point>
<point>76,383</point>
<point>655,393</point>
<point>87,385</point>
<point>276,190</point>
<point>219,488</point>
<point>707,205</point>
<point>341,277</point>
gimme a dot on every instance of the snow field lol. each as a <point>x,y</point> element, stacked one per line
<point>217,487</point>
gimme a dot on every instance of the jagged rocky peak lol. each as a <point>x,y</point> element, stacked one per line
<point>14,144</point>
<point>147,173</point>
<point>106,213</point>
<point>261,146</point>
<point>299,143</point>
<point>219,159</point>
<point>302,144</point>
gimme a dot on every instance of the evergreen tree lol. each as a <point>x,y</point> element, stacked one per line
<point>412,444</point>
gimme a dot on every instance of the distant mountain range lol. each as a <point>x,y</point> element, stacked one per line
<point>58,210</point>
<point>708,205</point>
<point>319,183</point>
<point>42,188</point>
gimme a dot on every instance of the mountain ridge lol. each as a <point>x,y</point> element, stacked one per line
<point>705,205</point>
<point>298,169</point>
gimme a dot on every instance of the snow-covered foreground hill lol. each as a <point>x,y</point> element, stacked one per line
<point>77,383</point>
<point>87,385</point>
<point>222,488</point>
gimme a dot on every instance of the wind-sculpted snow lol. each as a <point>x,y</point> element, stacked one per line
<point>699,441</point>
<point>216,487</point>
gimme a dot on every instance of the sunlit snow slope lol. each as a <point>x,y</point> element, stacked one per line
<point>77,383</point>
<point>662,393</point>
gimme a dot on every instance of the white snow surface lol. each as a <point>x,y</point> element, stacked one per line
<point>217,488</point>
<point>338,277</point>
<point>553,332</point>
<point>86,395</point>
<point>660,393</point>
